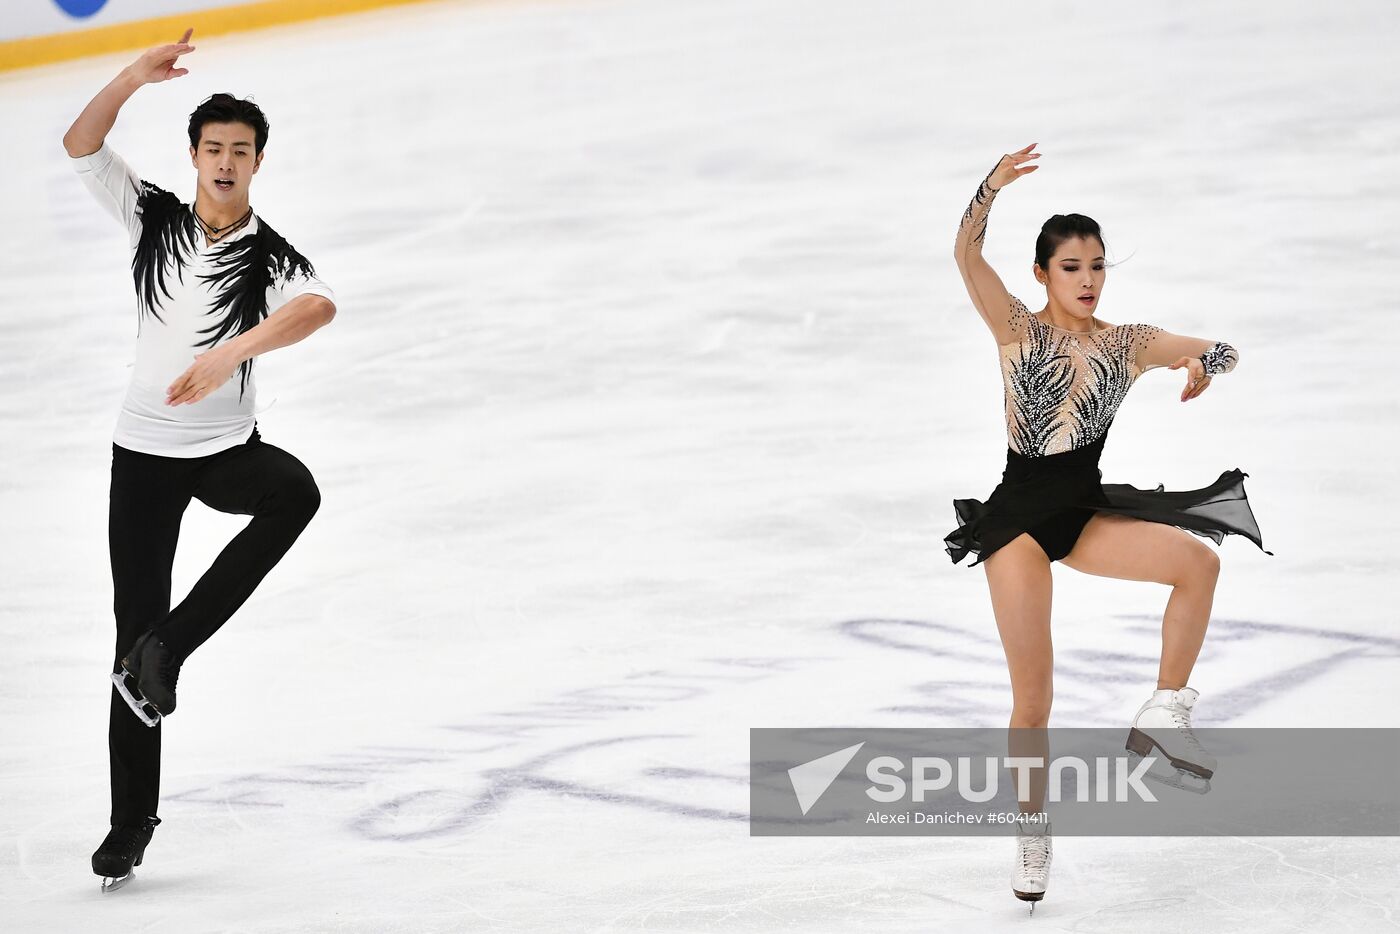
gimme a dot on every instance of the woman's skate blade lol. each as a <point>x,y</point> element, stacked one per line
<point>126,687</point>
<point>1030,874</point>
<point>1164,773</point>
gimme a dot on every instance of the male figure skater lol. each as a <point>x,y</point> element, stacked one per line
<point>215,287</point>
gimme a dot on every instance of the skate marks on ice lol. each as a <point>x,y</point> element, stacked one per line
<point>1245,887</point>
<point>569,745</point>
<point>1080,671</point>
<point>544,745</point>
<point>434,812</point>
<point>1325,651</point>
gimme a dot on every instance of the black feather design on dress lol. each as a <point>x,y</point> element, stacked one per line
<point>1095,402</point>
<point>1038,380</point>
<point>244,269</point>
<point>168,229</point>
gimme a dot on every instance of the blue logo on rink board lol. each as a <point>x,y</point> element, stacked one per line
<point>80,8</point>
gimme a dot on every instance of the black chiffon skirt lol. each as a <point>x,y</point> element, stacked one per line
<point>1053,497</point>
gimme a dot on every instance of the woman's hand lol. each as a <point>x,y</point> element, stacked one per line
<point>158,63</point>
<point>1196,378</point>
<point>1008,169</point>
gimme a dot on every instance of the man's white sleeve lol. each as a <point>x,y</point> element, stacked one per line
<point>115,186</point>
<point>297,283</point>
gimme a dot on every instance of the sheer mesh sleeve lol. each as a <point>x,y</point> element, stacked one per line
<point>1156,347</point>
<point>1018,317</point>
<point>973,228</point>
<point>1005,314</point>
<point>1140,336</point>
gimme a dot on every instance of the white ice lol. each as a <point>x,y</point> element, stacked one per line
<point>653,377</point>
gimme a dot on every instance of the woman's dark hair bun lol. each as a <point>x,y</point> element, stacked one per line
<point>1064,227</point>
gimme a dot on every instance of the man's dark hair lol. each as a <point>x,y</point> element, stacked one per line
<point>225,108</point>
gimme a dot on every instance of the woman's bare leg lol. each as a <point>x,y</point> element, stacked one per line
<point>1018,576</point>
<point>1126,548</point>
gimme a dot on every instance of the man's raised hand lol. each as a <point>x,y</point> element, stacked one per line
<point>158,64</point>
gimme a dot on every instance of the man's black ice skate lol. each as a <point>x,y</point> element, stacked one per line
<point>155,669</point>
<point>124,847</point>
<point>131,693</point>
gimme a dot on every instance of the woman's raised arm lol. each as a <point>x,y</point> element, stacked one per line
<point>1004,315</point>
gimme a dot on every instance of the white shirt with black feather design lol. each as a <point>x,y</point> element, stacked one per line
<point>191,297</point>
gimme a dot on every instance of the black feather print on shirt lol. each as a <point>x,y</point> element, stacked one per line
<point>1038,380</point>
<point>244,269</point>
<point>167,235</point>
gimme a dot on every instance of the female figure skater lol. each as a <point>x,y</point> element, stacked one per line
<point>1065,372</point>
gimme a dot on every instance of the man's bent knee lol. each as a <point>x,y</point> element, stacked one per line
<point>297,496</point>
<point>305,498</point>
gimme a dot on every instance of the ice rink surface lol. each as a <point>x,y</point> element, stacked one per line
<point>651,384</point>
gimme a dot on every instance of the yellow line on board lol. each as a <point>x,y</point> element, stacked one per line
<point>42,50</point>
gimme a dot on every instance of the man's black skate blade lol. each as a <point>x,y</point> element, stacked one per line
<point>144,709</point>
<point>113,883</point>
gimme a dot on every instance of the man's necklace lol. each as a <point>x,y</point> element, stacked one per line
<point>215,234</point>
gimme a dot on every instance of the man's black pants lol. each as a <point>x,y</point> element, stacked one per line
<point>149,494</point>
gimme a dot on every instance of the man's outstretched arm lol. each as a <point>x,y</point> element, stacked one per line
<point>90,130</point>
<point>297,319</point>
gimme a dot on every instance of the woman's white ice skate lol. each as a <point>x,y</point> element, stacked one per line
<point>1164,723</point>
<point>1031,874</point>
